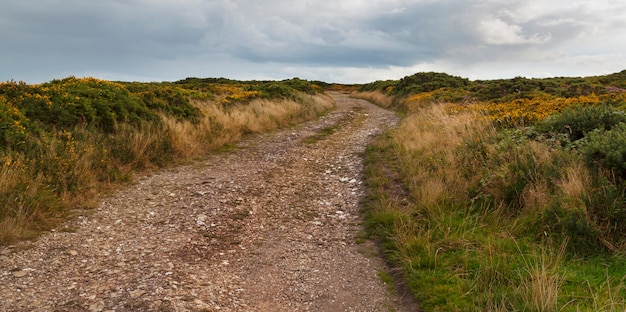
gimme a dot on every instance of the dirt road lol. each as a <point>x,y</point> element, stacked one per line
<point>270,226</point>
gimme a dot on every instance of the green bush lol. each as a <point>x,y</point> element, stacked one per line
<point>576,121</point>
<point>302,85</point>
<point>607,149</point>
<point>380,85</point>
<point>606,205</point>
<point>572,226</point>
<point>170,100</point>
<point>66,103</point>
<point>273,90</point>
<point>425,82</point>
<point>12,126</point>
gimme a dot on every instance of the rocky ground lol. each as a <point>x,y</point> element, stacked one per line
<point>272,225</point>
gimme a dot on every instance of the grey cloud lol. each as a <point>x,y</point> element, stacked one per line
<point>150,38</point>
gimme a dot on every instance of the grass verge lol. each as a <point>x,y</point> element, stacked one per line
<point>479,218</point>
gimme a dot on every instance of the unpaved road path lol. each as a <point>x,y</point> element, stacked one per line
<point>270,226</point>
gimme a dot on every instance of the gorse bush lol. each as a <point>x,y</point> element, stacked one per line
<point>385,86</point>
<point>66,103</point>
<point>577,121</point>
<point>168,100</point>
<point>302,85</point>
<point>13,126</point>
<point>605,147</point>
<point>276,90</point>
<point>609,87</point>
<point>426,82</point>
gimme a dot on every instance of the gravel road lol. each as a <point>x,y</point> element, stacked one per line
<point>271,225</point>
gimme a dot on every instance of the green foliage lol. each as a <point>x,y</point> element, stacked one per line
<point>13,126</point>
<point>577,121</point>
<point>273,90</point>
<point>380,85</point>
<point>425,82</point>
<point>201,83</point>
<point>66,103</point>
<point>520,87</point>
<point>302,85</point>
<point>507,168</point>
<point>529,209</point>
<point>286,89</point>
<point>170,100</point>
<point>606,208</point>
<point>559,225</point>
<point>502,90</point>
<point>607,149</point>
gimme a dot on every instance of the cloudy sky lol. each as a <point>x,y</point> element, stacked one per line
<point>348,41</point>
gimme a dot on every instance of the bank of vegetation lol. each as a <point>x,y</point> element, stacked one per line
<point>503,195</point>
<point>67,140</point>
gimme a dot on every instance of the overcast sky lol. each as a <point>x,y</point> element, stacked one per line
<point>348,41</point>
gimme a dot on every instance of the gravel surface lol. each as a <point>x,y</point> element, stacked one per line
<point>270,226</point>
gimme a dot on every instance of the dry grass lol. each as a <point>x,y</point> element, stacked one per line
<point>536,196</point>
<point>222,125</point>
<point>26,204</point>
<point>576,181</point>
<point>434,134</point>
<point>375,97</point>
<point>540,281</point>
<point>186,137</point>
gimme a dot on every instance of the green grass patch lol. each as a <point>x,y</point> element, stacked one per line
<point>320,135</point>
<point>387,279</point>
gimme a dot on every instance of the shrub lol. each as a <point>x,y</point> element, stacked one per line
<point>273,90</point>
<point>169,100</point>
<point>425,82</point>
<point>607,149</point>
<point>578,120</point>
<point>24,200</point>
<point>380,85</point>
<point>66,103</point>
<point>12,126</point>
<point>571,226</point>
<point>302,85</point>
<point>606,205</point>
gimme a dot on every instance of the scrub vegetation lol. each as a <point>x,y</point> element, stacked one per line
<point>64,141</point>
<point>503,195</point>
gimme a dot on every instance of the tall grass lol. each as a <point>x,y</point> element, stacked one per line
<point>480,218</point>
<point>376,97</point>
<point>221,125</point>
